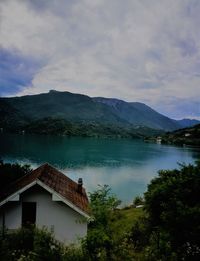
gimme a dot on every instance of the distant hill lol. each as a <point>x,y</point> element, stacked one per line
<point>186,136</point>
<point>139,114</point>
<point>188,122</point>
<point>64,112</point>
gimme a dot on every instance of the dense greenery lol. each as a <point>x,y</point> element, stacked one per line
<point>58,126</point>
<point>187,136</point>
<point>101,242</point>
<point>166,228</point>
<point>10,172</point>
<point>172,203</point>
<point>30,244</point>
<point>138,201</point>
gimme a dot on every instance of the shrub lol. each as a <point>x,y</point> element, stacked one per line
<point>138,201</point>
<point>173,206</point>
<point>30,244</point>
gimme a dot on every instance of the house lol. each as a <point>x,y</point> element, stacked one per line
<point>187,134</point>
<point>158,140</point>
<point>46,197</point>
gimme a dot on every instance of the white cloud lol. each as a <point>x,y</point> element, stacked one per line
<point>141,50</point>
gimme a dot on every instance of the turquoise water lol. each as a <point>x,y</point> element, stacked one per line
<point>126,165</point>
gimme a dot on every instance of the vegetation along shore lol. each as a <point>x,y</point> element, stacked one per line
<point>165,228</point>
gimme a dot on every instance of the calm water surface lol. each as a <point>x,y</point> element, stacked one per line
<point>126,165</point>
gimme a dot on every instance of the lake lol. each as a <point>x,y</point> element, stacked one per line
<point>127,166</point>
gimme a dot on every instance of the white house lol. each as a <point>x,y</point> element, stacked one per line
<point>46,197</point>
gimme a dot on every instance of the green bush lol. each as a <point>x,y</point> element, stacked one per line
<point>75,253</point>
<point>138,200</point>
<point>99,242</point>
<point>173,206</point>
<point>30,243</point>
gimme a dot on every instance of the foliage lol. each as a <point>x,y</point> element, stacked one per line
<point>125,220</point>
<point>138,200</point>
<point>173,206</point>
<point>108,236</point>
<point>102,204</point>
<point>139,234</point>
<point>10,172</point>
<point>30,244</point>
<point>167,228</point>
<point>99,241</point>
<point>60,126</point>
<point>187,136</point>
<point>74,253</point>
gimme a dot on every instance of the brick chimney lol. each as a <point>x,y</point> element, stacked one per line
<point>80,184</point>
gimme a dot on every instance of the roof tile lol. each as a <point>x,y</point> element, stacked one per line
<point>55,180</point>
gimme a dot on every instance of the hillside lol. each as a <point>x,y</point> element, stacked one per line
<point>186,136</point>
<point>66,113</point>
<point>139,114</point>
<point>188,122</point>
<point>65,105</point>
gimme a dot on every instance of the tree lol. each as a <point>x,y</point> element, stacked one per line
<point>11,172</point>
<point>138,200</point>
<point>173,206</point>
<point>99,242</point>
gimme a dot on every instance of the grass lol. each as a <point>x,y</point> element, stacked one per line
<point>125,219</point>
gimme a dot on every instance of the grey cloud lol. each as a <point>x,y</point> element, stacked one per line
<point>176,106</point>
<point>137,50</point>
<point>57,7</point>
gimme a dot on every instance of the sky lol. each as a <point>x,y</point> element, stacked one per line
<point>135,50</point>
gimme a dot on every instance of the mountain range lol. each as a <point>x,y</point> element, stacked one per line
<point>20,112</point>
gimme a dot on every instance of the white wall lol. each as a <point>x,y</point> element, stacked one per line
<point>12,213</point>
<point>68,225</point>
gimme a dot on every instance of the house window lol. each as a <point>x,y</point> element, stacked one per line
<point>28,213</point>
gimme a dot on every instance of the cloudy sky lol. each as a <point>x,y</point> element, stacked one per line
<point>135,50</point>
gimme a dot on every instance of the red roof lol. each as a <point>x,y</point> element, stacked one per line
<point>56,181</point>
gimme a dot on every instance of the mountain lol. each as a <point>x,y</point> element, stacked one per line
<point>188,122</point>
<point>139,114</point>
<point>62,105</point>
<point>73,107</point>
<point>65,112</point>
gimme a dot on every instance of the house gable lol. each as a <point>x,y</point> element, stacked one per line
<point>60,186</point>
<point>67,224</point>
<point>55,197</point>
